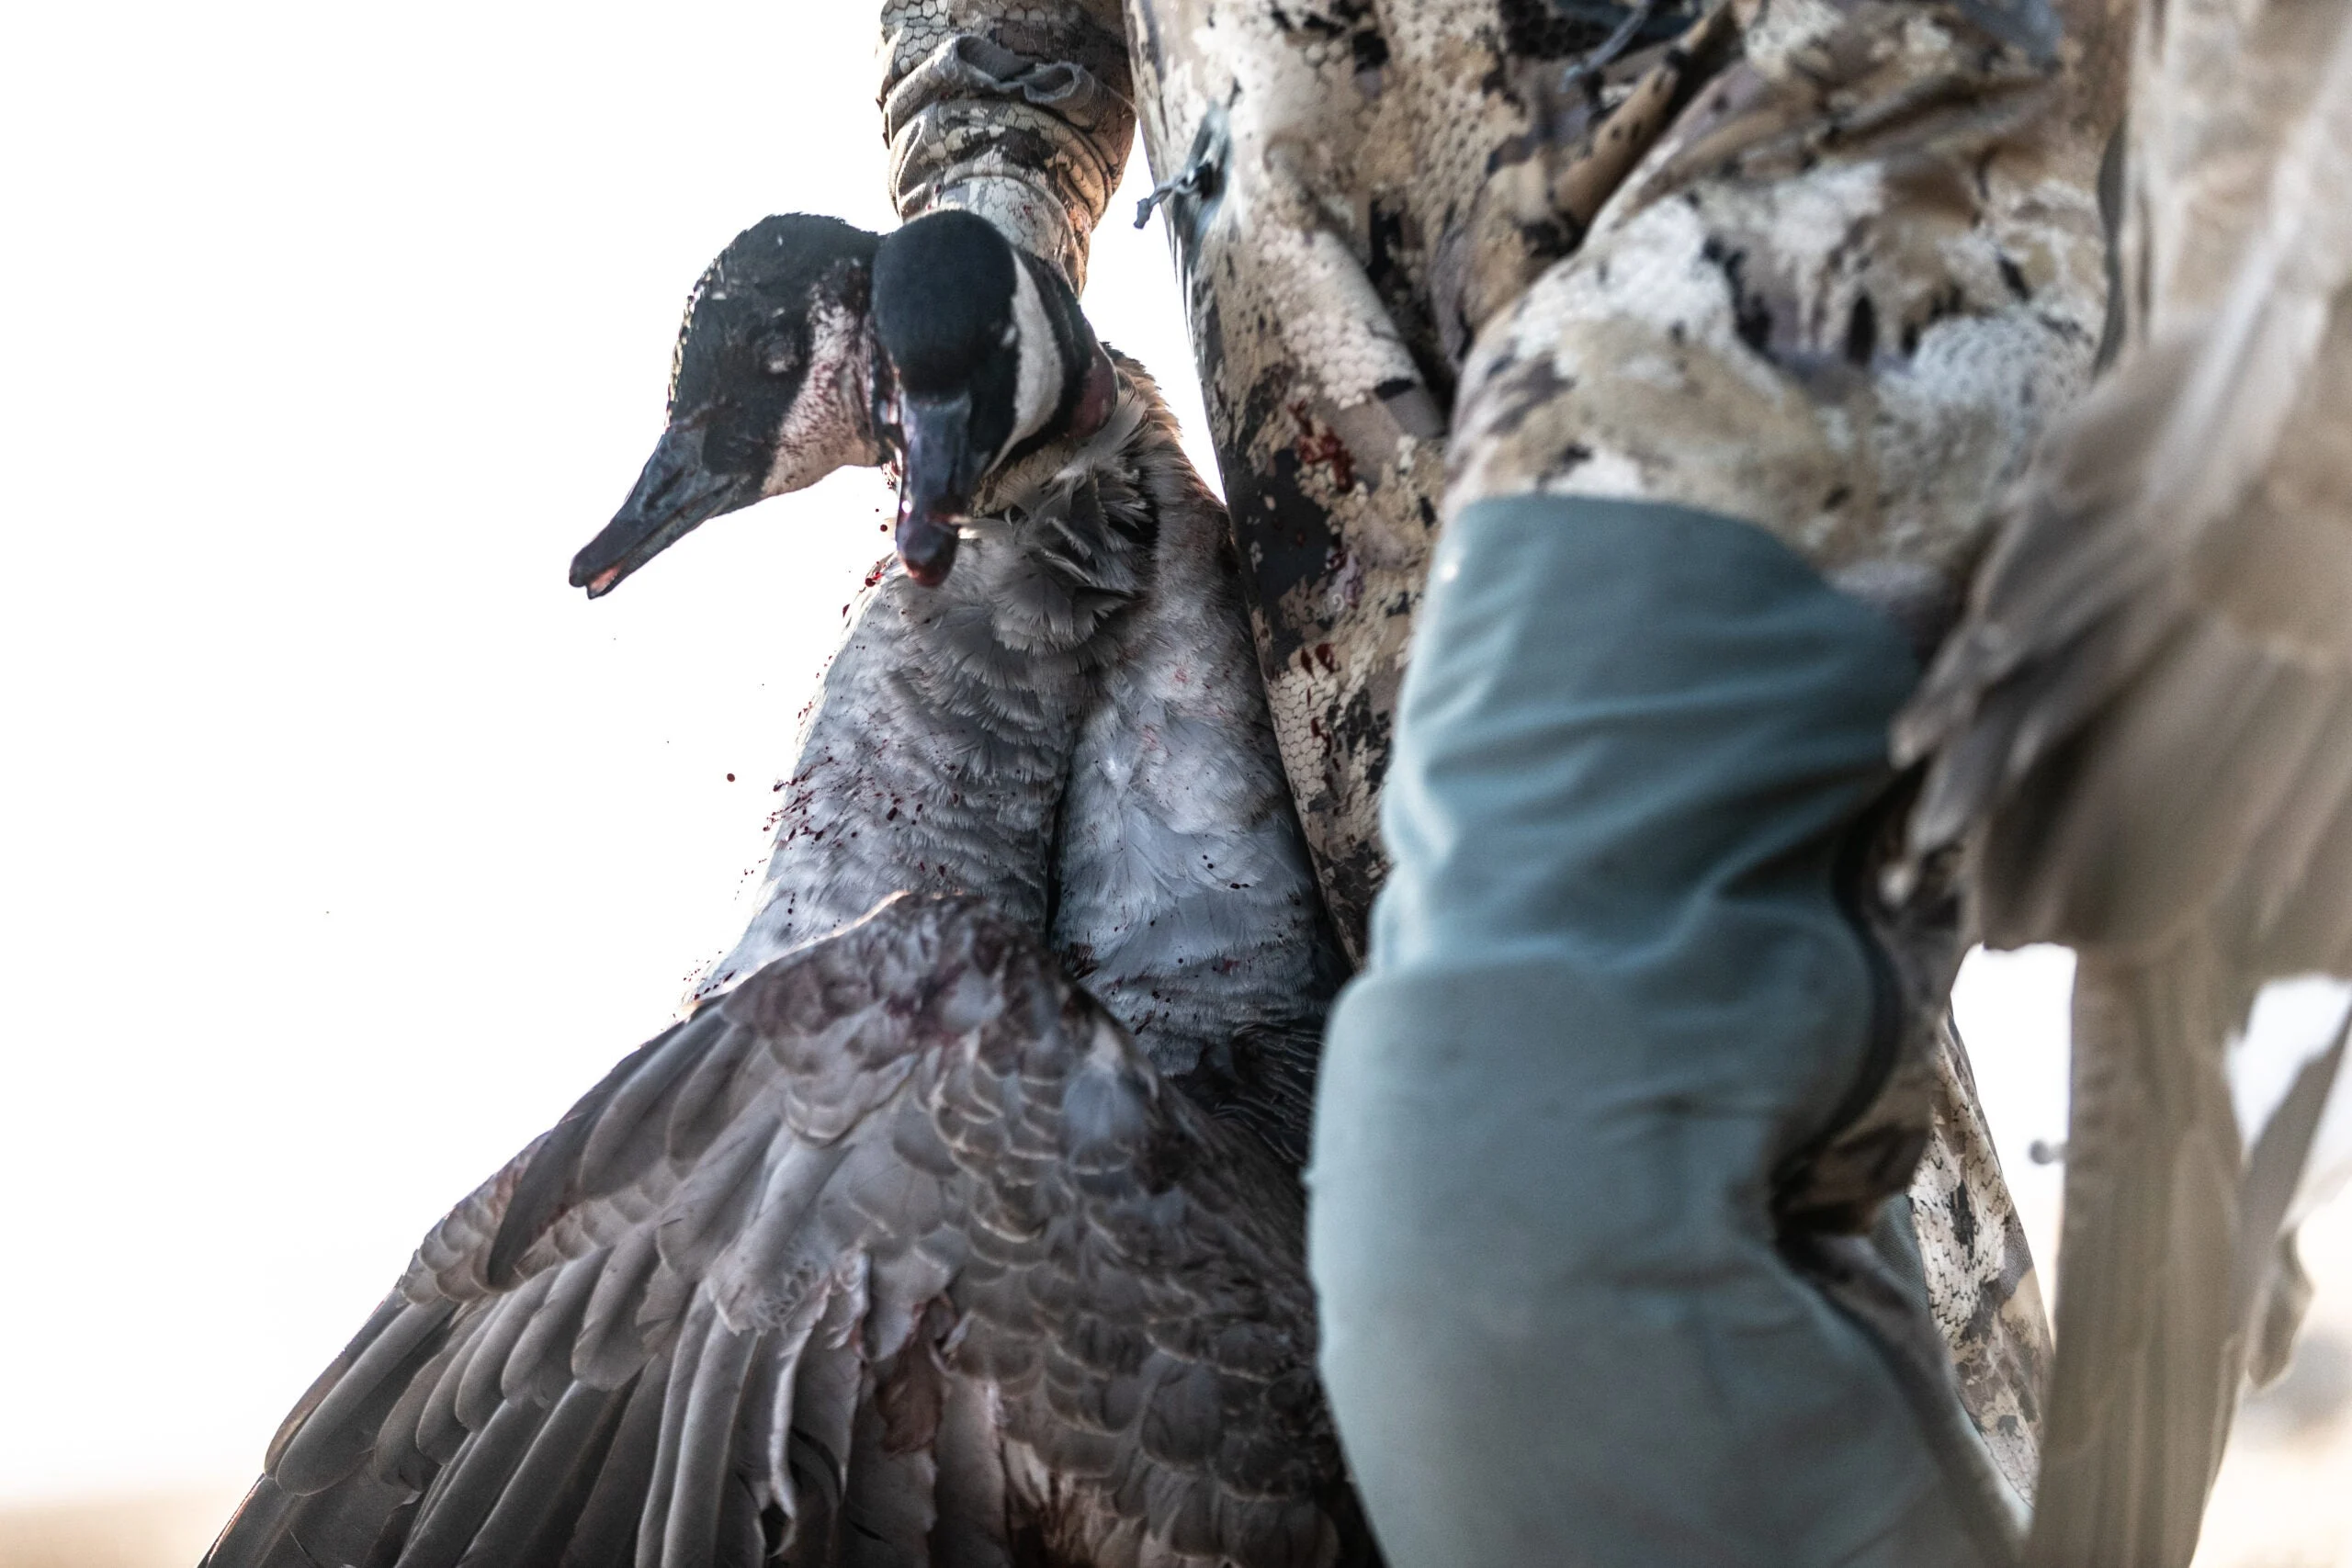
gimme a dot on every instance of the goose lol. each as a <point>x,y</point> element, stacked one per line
<point>1071,723</point>
<point>2139,743</point>
<point>901,1248</point>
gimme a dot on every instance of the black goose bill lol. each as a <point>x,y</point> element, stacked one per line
<point>942,465</point>
<point>939,466</point>
<point>676,493</point>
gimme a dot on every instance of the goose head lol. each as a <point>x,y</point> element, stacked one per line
<point>810,345</point>
<point>770,391</point>
<point>983,357</point>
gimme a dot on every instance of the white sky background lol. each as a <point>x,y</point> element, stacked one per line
<point>343,843</point>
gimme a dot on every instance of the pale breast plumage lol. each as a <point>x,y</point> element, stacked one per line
<point>1072,727</point>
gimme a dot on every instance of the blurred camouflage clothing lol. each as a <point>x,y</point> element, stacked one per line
<point>1825,265</point>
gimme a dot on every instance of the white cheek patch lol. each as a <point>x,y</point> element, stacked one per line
<point>1038,387</point>
<point>823,429</point>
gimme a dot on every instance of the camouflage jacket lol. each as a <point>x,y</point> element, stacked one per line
<point>1821,263</point>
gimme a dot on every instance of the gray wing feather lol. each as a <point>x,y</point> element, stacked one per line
<point>528,1521</point>
<point>539,1366</point>
<point>400,1455</point>
<point>334,1439</point>
<point>608,1351</point>
<point>480,1392</point>
<point>706,1444</point>
<point>897,1250</point>
<point>439,1433</point>
<point>603,1534</point>
<point>461,1499</point>
<point>392,1306</point>
<point>620,1146</point>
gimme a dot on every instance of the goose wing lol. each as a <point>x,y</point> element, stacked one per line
<point>2142,734</point>
<point>2145,724</point>
<point>899,1253</point>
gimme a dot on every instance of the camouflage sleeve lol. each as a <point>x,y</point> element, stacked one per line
<point>1019,110</point>
<point>1836,297</point>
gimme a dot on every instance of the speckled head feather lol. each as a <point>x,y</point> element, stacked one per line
<point>744,344</point>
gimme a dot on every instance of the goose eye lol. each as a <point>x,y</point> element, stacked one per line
<point>780,356</point>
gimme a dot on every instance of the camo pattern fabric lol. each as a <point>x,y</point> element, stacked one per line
<point>1822,263</point>
<point>1020,113</point>
<point>1839,298</point>
<point>1981,1282</point>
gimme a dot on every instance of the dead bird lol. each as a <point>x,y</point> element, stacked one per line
<point>900,1248</point>
<point>1071,722</point>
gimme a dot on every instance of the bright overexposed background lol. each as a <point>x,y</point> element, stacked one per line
<point>341,843</point>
